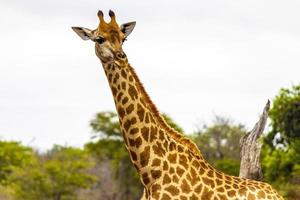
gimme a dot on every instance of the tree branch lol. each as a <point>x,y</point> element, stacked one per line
<point>250,149</point>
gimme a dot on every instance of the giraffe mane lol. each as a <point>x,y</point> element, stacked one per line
<point>178,137</point>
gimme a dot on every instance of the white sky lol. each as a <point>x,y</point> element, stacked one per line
<point>195,58</point>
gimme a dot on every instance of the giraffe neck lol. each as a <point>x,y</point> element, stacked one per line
<point>138,124</point>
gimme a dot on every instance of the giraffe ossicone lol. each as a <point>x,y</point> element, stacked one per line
<point>170,165</point>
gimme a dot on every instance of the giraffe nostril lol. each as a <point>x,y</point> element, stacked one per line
<point>120,55</point>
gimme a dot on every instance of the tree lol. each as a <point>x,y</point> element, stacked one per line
<point>285,117</point>
<point>285,133</point>
<point>106,124</point>
<point>281,154</point>
<point>58,175</point>
<point>13,155</point>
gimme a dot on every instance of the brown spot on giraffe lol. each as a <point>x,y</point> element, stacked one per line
<point>147,119</point>
<point>183,161</point>
<point>174,191</point>
<point>179,171</point>
<point>175,178</point>
<point>138,142</point>
<point>171,170</point>
<point>129,109</point>
<point>185,187</point>
<point>133,156</point>
<point>261,195</point>
<point>145,178</point>
<point>222,196</point>
<point>155,191</point>
<point>124,101</point>
<point>145,156</point>
<point>123,85</point>
<point>172,146</point>
<point>140,112</point>
<point>133,131</point>
<point>145,133</point>
<point>121,111</point>
<point>219,182</point>
<point>183,198</point>
<point>242,191</point>
<point>130,78</point>
<point>153,136</point>
<point>207,194</point>
<point>166,179</point>
<point>165,166</point>
<point>172,157</point>
<point>119,96</point>
<point>116,78</point>
<point>156,174</point>
<point>231,193</point>
<point>208,182</point>
<point>123,74</point>
<point>198,188</point>
<point>158,150</point>
<point>132,92</point>
<point>156,162</point>
<point>220,189</point>
<point>166,197</point>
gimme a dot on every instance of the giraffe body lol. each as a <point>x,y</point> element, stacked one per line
<point>170,165</point>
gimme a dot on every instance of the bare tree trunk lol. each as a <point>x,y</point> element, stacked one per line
<point>250,149</point>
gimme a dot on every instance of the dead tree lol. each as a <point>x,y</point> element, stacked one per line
<point>250,149</point>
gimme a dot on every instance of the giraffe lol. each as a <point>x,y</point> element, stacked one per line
<point>170,165</point>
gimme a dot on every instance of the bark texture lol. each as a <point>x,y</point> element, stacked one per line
<point>250,149</point>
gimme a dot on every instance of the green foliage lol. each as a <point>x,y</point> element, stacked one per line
<point>281,155</point>
<point>12,156</point>
<point>68,166</point>
<point>106,124</point>
<point>279,164</point>
<point>57,175</point>
<point>285,116</point>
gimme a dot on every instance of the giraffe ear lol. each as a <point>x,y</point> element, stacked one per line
<point>127,28</point>
<point>84,33</point>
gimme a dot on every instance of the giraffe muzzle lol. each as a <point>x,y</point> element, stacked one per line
<point>120,55</point>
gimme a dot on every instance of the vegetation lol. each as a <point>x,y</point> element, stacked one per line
<point>281,152</point>
<point>102,169</point>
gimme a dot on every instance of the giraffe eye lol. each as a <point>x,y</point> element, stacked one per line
<point>124,39</point>
<point>100,40</point>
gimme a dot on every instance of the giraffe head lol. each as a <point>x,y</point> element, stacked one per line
<point>108,37</point>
